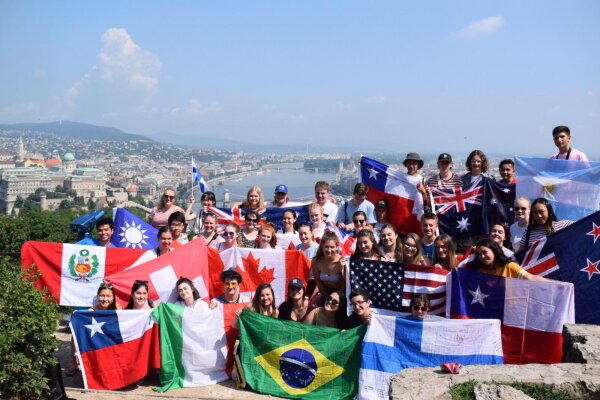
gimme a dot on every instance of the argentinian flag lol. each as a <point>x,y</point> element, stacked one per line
<point>573,187</point>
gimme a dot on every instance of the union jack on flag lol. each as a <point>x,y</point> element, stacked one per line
<point>457,198</point>
<point>233,215</point>
<point>347,242</point>
<point>460,211</point>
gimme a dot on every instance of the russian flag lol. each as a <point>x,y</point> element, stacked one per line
<point>532,313</point>
<point>115,348</point>
<point>400,191</point>
<point>393,344</point>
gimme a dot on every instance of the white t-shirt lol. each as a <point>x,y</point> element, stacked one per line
<point>516,234</point>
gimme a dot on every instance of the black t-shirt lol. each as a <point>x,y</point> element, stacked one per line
<point>354,321</point>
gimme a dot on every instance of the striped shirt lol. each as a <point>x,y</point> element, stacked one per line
<point>539,232</point>
<point>437,181</point>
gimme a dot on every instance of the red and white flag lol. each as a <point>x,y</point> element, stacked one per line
<point>257,266</point>
<point>72,273</point>
<point>405,203</point>
<point>188,261</point>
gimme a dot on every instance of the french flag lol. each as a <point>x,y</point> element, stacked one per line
<point>399,189</point>
<point>532,313</point>
<point>115,348</point>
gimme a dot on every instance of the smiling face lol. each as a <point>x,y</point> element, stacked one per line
<point>521,209</point>
<point>419,310</point>
<point>265,237</point>
<point>507,172</point>
<point>230,235</point>
<point>186,293</point>
<point>429,227</point>
<point>540,214</point>
<point>169,198</point>
<point>476,165</point>
<point>104,233</point>
<point>209,224</point>
<point>253,199</point>
<point>330,249</point>
<point>365,245</point>
<point>266,297</point>
<point>305,235</point>
<point>441,250</point>
<point>316,217</point>
<point>296,293</point>
<point>105,299</point>
<point>485,255</point>
<point>165,239</point>
<point>360,306</point>
<point>281,199</point>
<point>321,195</point>
<point>288,221</point>
<point>231,287</point>
<point>410,250</point>
<point>445,167</point>
<point>497,234</point>
<point>562,141</point>
<point>412,167</point>
<point>388,238</point>
<point>207,202</point>
<point>140,297</point>
<point>176,228</point>
<point>381,214</point>
<point>332,302</point>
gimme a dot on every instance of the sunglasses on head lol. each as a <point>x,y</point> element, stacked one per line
<point>141,282</point>
<point>106,286</point>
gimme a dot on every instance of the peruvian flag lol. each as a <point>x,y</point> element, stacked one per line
<point>532,313</point>
<point>72,273</point>
<point>188,261</point>
<point>399,189</point>
<point>114,348</point>
<point>257,266</point>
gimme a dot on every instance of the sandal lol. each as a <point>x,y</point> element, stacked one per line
<point>72,371</point>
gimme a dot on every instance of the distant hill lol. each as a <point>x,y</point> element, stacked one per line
<point>77,130</point>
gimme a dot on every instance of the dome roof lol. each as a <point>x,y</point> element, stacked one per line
<point>69,157</point>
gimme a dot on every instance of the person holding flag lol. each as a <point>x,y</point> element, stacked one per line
<point>492,260</point>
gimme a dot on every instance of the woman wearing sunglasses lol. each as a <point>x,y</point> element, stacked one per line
<point>521,208</point>
<point>231,234</point>
<point>332,314</point>
<point>250,230</point>
<point>159,215</point>
<point>419,306</point>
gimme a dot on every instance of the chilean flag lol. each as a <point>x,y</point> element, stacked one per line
<point>115,348</point>
<point>400,191</point>
<point>188,261</point>
<point>72,273</point>
<point>532,313</point>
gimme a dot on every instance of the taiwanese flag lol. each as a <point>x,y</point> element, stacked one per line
<point>115,348</point>
<point>188,261</point>
<point>257,266</point>
<point>532,313</point>
<point>461,211</point>
<point>400,191</point>
<point>72,273</point>
<point>571,255</point>
<point>499,198</point>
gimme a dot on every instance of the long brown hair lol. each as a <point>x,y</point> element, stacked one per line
<point>450,263</point>
<point>256,303</point>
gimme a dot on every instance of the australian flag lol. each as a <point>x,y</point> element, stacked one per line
<point>275,215</point>
<point>460,210</point>
<point>571,255</point>
<point>498,199</point>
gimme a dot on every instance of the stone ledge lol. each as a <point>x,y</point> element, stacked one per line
<point>581,343</point>
<point>431,383</point>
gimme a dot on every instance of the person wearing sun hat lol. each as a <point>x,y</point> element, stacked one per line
<point>413,163</point>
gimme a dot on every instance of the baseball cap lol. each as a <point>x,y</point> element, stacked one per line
<point>382,204</point>
<point>445,157</point>
<point>296,283</point>
<point>281,189</point>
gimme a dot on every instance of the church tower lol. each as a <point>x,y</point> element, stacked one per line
<point>21,150</point>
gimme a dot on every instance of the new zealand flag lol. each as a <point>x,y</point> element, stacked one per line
<point>571,255</point>
<point>499,199</point>
<point>460,210</point>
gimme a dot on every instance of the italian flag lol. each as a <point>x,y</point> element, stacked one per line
<point>194,344</point>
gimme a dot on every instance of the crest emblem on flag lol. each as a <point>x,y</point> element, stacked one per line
<point>83,266</point>
<point>299,368</point>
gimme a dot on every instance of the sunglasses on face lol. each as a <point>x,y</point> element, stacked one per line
<point>332,301</point>
<point>167,197</point>
<point>251,220</point>
<point>232,284</point>
<point>418,308</point>
<point>358,221</point>
<point>232,234</point>
<point>520,208</point>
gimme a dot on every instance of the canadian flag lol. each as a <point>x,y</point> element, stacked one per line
<point>72,273</point>
<point>256,266</point>
<point>188,261</point>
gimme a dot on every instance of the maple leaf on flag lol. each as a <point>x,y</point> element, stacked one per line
<point>251,276</point>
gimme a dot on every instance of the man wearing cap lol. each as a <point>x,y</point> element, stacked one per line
<point>445,179</point>
<point>358,202</point>
<point>297,306</point>
<point>381,214</point>
<point>231,289</point>
<point>281,198</point>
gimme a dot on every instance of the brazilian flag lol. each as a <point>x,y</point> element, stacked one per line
<point>299,361</point>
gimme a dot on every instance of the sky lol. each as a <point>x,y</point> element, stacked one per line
<point>429,76</point>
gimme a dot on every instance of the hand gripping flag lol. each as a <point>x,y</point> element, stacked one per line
<point>193,345</point>
<point>532,313</point>
<point>72,273</point>
<point>189,261</point>
<point>131,231</point>
<point>571,255</point>
<point>115,348</point>
<point>460,210</point>
<point>573,187</point>
<point>197,177</point>
<point>393,344</point>
<point>400,191</point>
<point>295,360</point>
<point>257,266</point>
<point>393,285</point>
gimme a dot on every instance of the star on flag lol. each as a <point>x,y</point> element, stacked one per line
<point>595,232</point>
<point>463,224</point>
<point>372,173</point>
<point>95,327</point>
<point>591,268</point>
<point>478,296</point>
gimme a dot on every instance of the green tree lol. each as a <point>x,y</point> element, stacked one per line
<point>27,339</point>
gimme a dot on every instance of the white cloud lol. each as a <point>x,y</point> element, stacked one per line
<point>482,27</point>
<point>375,99</point>
<point>196,108</point>
<point>122,58</point>
<point>72,92</point>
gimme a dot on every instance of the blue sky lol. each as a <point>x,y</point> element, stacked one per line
<point>429,76</point>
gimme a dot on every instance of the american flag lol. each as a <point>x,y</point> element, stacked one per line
<point>392,285</point>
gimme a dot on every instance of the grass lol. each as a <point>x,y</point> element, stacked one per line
<point>465,391</point>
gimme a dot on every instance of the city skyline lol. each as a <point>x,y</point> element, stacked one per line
<point>430,77</point>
